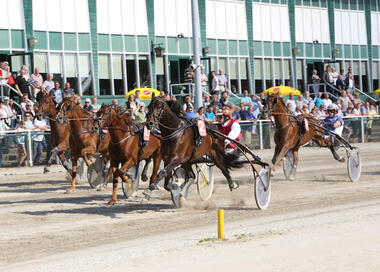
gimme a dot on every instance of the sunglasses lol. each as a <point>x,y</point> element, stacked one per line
<point>329,111</point>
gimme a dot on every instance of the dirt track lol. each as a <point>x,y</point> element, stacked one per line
<point>42,228</point>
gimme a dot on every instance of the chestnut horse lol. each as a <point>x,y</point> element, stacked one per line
<point>287,136</point>
<point>124,146</point>
<point>179,144</point>
<point>60,133</point>
<point>85,138</point>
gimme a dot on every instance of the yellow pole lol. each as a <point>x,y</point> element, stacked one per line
<point>220,224</point>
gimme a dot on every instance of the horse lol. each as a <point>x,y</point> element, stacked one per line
<point>59,132</point>
<point>180,146</point>
<point>86,139</point>
<point>290,134</point>
<point>125,146</point>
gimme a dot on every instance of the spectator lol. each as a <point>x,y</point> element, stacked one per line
<point>207,101</point>
<point>224,100</point>
<point>321,112</point>
<point>318,100</point>
<point>349,82</point>
<point>315,79</point>
<point>201,113</point>
<point>257,106</point>
<point>328,79</point>
<point>173,98</point>
<point>87,105</point>
<point>215,88</point>
<point>137,97</point>
<point>247,129</point>
<point>210,116</point>
<point>204,81</point>
<point>234,110</point>
<point>22,85</point>
<point>4,72</point>
<point>344,101</point>
<point>222,80</point>
<point>37,81</point>
<point>357,99</point>
<point>140,115</point>
<point>246,100</point>
<point>292,102</point>
<point>299,102</point>
<point>115,102</point>
<point>163,95</point>
<point>326,101</point>
<point>364,109</point>
<point>3,112</point>
<point>95,105</point>
<point>68,91</point>
<point>340,84</point>
<point>190,113</point>
<point>57,92</point>
<point>334,75</point>
<point>290,108</point>
<point>214,102</point>
<point>41,93</point>
<point>305,109</point>
<point>39,140</point>
<point>187,103</point>
<point>314,111</point>
<point>307,99</point>
<point>298,111</point>
<point>131,105</point>
<point>9,114</point>
<point>29,109</point>
<point>371,114</point>
<point>342,74</point>
<point>28,125</point>
<point>48,83</point>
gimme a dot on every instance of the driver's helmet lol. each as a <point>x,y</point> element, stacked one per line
<point>332,107</point>
<point>227,113</point>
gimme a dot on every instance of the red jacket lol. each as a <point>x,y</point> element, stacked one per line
<point>227,129</point>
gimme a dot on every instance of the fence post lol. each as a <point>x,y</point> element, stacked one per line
<point>362,128</point>
<point>261,134</point>
<point>30,149</point>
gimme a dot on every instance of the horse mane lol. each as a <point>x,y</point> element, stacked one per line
<point>175,107</point>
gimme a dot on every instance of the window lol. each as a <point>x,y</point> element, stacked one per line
<point>258,75</point>
<point>85,74</point>
<point>104,75</point>
<point>364,76</point>
<point>16,63</point>
<point>233,75</point>
<point>40,61</point>
<point>268,73</point>
<point>277,72</point>
<point>287,73</point>
<point>375,75</point>
<point>244,74</point>
<point>300,75</point>
<point>160,74</point>
<point>55,67</point>
<point>144,71</point>
<point>131,72</point>
<point>71,71</point>
<point>356,70</point>
<point>117,66</point>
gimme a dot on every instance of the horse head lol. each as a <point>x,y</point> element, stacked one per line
<point>65,111</point>
<point>155,110</point>
<point>45,107</point>
<point>268,106</point>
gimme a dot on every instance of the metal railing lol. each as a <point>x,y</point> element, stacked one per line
<point>6,86</point>
<point>324,89</point>
<point>256,135</point>
<point>366,95</point>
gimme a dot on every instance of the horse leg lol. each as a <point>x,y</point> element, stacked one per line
<point>53,154</point>
<point>112,172</point>
<point>156,167</point>
<point>144,176</point>
<point>295,164</point>
<point>73,175</point>
<point>120,173</point>
<point>217,158</point>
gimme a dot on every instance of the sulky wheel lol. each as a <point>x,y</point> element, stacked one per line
<point>132,185</point>
<point>262,189</point>
<point>288,166</point>
<point>354,165</point>
<point>205,181</point>
<point>95,172</point>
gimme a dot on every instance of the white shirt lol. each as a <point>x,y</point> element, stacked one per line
<point>235,130</point>
<point>326,103</point>
<point>38,123</point>
<point>215,84</point>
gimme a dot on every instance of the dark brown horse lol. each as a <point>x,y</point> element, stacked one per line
<point>288,136</point>
<point>179,147</point>
<point>60,133</point>
<point>125,146</point>
<point>85,138</point>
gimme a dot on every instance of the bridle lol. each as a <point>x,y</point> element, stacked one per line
<point>42,107</point>
<point>62,114</point>
<point>269,112</point>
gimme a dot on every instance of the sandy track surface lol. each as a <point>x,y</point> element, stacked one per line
<point>319,220</point>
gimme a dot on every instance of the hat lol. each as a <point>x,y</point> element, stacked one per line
<point>332,107</point>
<point>141,104</point>
<point>5,98</point>
<point>88,100</point>
<point>227,112</point>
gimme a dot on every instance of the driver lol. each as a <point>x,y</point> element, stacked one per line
<point>229,127</point>
<point>333,122</point>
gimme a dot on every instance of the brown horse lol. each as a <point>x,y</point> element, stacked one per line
<point>125,148</point>
<point>85,137</point>
<point>60,133</point>
<point>288,136</point>
<point>180,147</point>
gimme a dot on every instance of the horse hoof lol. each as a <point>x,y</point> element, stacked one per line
<point>233,186</point>
<point>70,191</point>
<point>144,178</point>
<point>46,170</point>
<point>111,202</point>
<point>146,194</point>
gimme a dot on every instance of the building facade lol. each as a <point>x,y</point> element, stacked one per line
<point>108,47</point>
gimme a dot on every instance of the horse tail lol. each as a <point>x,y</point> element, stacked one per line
<point>231,160</point>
